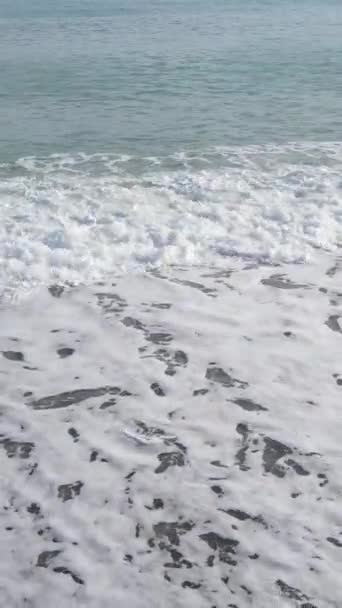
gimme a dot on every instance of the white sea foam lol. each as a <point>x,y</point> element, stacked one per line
<point>174,441</point>
<point>79,218</point>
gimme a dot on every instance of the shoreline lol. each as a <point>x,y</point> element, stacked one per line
<point>173,438</point>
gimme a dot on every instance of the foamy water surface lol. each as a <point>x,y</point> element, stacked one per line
<point>80,218</point>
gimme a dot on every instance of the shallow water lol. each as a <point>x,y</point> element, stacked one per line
<point>82,218</point>
<point>173,439</point>
<point>170,437</point>
<point>136,135</point>
<point>156,77</point>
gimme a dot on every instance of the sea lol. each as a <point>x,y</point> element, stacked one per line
<point>137,134</point>
<point>170,303</point>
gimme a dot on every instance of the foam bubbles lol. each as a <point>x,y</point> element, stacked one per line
<point>80,218</point>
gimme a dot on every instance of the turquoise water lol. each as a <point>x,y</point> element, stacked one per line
<point>154,77</point>
<point>138,134</point>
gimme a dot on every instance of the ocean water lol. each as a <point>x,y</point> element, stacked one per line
<point>134,134</point>
<point>156,77</point>
<point>170,303</point>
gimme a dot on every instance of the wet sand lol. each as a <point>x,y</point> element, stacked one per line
<point>173,439</point>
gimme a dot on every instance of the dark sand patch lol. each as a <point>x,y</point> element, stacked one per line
<point>73,397</point>
<point>68,491</point>
<point>333,323</point>
<point>56,290</point>
<point>291,592</point>
<point>157,389</point>
<point>34,508</point>
<point>46,557</point>
<point>218,375</point>
<point>243,516</point>
<point>75,577</point>
<point>111,302</point>
<point>208,291</point>
<point>135,323</point>
<point>156,505</point>
<point>297,467</point>
<point>241,455</point>
<point>200,391</point>
<point>226,547</point>
<point>63,353</point>
<point>334,541</point>
<point>217,490</point>
<point>172,359</point>
<point>13,355</point>
<point>274,451</point>
<point>162,305</point>
<point>20,449</point>
<point>74,434</point>
<point>169,459</point>
<point>191,585</point>
<point>172,530</point>
<point>280,281</point>
<point>159,338</point>
<point>250,406</point>
<point>332,271</point>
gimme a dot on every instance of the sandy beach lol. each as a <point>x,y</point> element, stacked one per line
<point>170,304</point>
<point>172,438</point>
